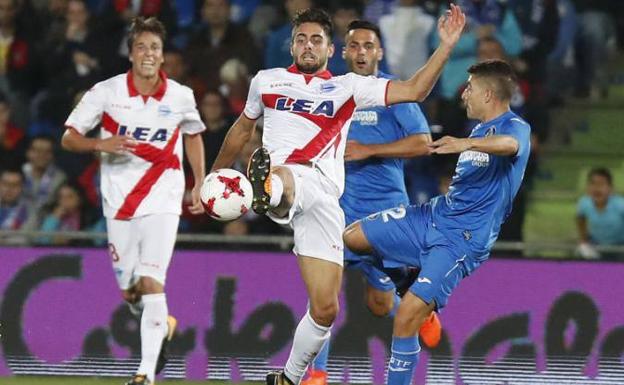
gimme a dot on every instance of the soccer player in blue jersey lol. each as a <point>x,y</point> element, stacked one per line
<point>451,235</point>
<point>379,139</point>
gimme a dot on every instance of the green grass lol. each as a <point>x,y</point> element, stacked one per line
<point>32,380</point>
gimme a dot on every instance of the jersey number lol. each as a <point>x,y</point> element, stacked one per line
<point>396,213</point>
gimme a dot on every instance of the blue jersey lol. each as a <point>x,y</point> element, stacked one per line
<point>605,226</point>
<point>483,188</point>
<point>376,184</point>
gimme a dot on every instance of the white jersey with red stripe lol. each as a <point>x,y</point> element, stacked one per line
<point>149,179</point>
<point>306,118</point>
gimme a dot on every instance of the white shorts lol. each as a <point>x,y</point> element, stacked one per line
<point>315,216</point>
<point>142,247</point>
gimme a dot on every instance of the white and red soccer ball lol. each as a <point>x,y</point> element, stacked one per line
<point>226,194</point>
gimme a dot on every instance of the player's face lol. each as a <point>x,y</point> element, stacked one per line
<point>146,55</point>
<point>599,189</point>
<point>475,96</point>
<point>362,52</point>
<point>311,48</point>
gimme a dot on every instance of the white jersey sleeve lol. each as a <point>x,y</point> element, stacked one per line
<point>368,91</point>
<point>254,106</point>
<point>88,112</point>
<point>191,121</point>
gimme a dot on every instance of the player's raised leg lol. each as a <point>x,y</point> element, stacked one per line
<point>273,188</point>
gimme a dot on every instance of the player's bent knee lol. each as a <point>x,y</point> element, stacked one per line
<point>355,240</point>
<point>379,306</point>
<point>324,314</point>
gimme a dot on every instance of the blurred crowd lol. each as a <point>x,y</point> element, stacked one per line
<point>52,51</point>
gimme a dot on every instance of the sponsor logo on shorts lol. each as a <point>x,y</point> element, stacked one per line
<point>384,280</point>
<point>424,280</point>
<point>148,264</point>
<point>336,247</point>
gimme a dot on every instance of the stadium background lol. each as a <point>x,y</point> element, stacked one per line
<point>537,313</point>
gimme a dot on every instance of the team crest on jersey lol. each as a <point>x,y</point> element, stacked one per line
<point>490,131</point>
<point>327,87</point>
<point>164,110</point>
<point>323,107</point>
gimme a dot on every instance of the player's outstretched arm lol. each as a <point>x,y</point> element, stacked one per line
<point>117,144</point>
<point>194,148</point>
<point>503,145</point>
<point>237,136</point>
<point>409,147</point>
<point>418,87</point>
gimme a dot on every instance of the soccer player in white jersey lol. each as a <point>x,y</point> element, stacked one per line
<point>307,113</point>
<point>142,116</point>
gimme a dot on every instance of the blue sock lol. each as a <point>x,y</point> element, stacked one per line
<point>395,306</point>
<point>405,351</point>
<point>320,361</point>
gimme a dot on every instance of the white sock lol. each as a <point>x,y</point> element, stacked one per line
<point>308,341</point>
<point>153,330</point>
<point>277,189</point>
<point>136,308</point>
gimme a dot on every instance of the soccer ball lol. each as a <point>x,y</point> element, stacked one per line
<point>226,194</point>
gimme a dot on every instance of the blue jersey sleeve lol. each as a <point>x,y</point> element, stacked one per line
<point>620,204</point>
<point>519,130</point>
<point>410,118</point>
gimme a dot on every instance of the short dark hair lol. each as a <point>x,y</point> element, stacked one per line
<point>140,25</point>
<point>500,73</point>
<point>44,137</point>
<point>365,24</point>
<point>601,171</point>
<point>13,169</point>
<point>314,15</point>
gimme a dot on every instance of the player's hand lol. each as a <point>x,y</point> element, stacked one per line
<point>196,206</point>
<point>357,151</point>
<point>451,25</point>
<point>587,251</point>
<point>449,145</point>
<point>117,144</point>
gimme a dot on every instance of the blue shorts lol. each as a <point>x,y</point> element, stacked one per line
<point>407,236</point>
<point>372,271</point>
<point>374,276</point>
